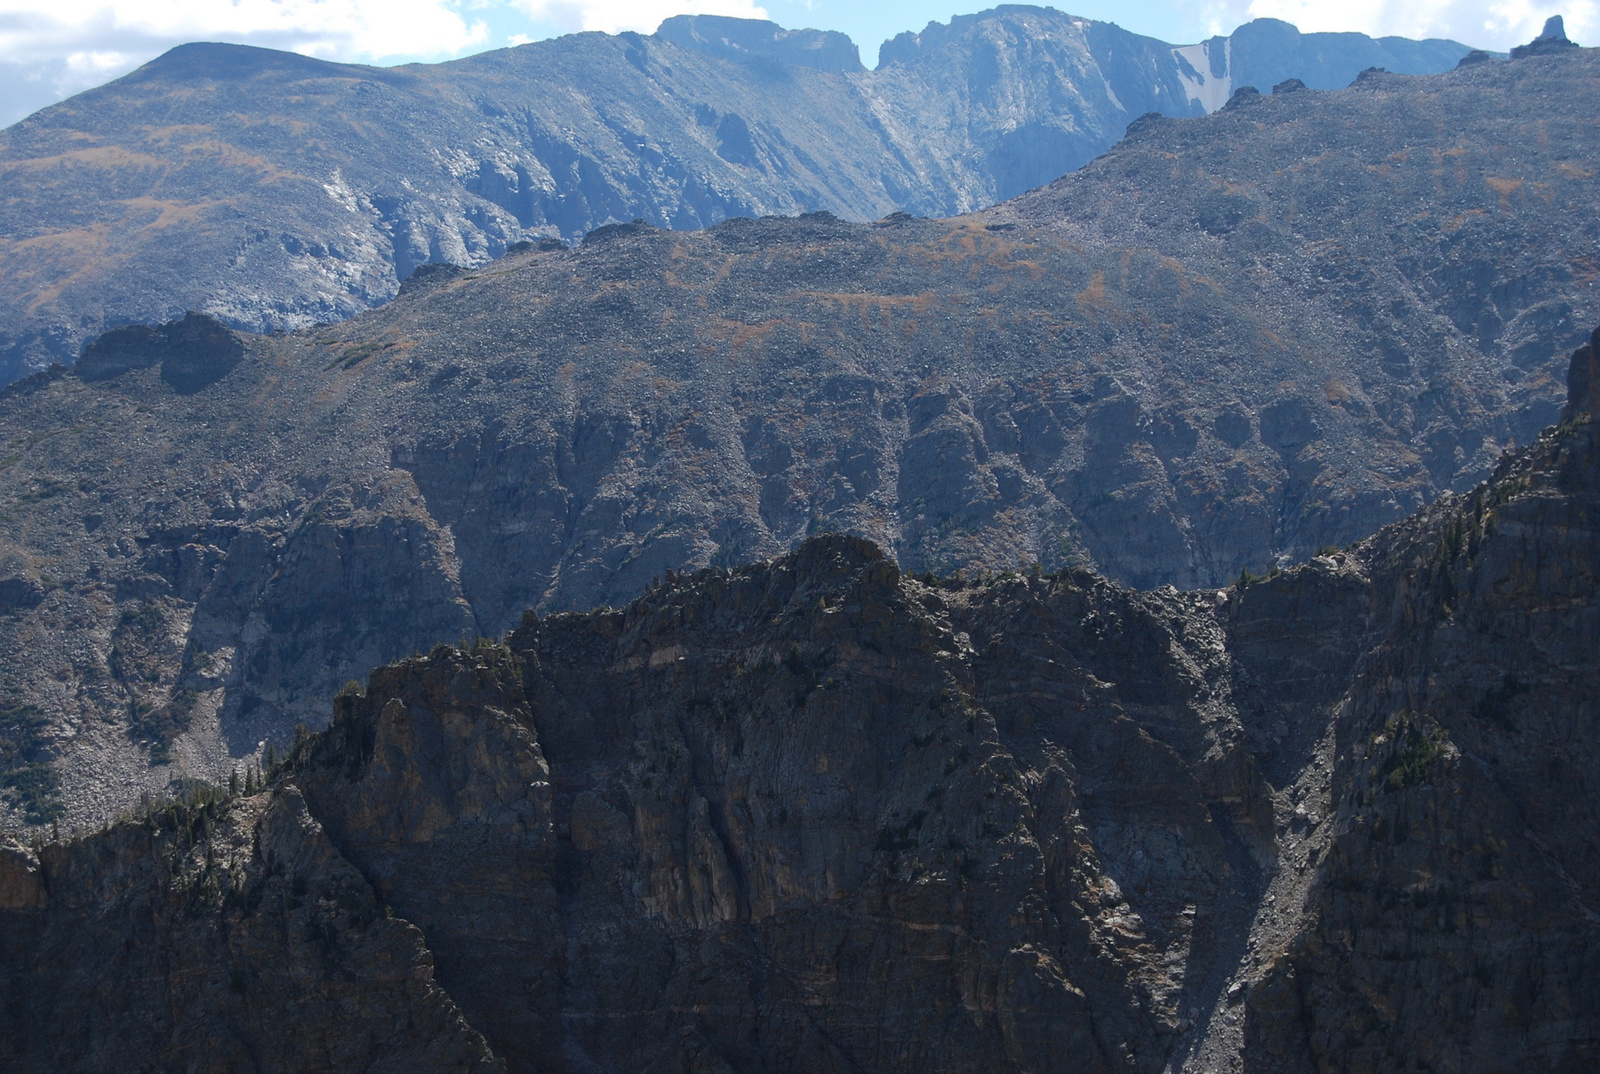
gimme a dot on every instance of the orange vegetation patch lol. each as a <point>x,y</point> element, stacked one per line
<point>1574,171</point>
<point>971,242</point>
<point>1461,218</point>
<point>1587,270</point>
<point>1093,297</point>
<point>142,214</point>
<point>172,213</point>
<point>1180,275</point>
<point>231,156</point>
<point>1505,188</point>
<point>738,335</point>
<point>179,132</point>
<point>104,156</point>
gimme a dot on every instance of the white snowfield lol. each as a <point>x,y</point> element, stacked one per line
<point>1194,71</point>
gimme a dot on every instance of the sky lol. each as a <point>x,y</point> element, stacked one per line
<point>51,49</point>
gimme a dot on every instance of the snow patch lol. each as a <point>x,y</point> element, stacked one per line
<point>1111,94</point>
<point>1194,71</point>
<point>340,191</point>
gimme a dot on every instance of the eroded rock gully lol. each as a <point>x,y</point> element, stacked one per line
<point>818,815</point>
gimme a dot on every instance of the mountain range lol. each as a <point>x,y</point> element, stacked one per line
<point>1231,342</point>
<point>274,191</point>
<point>1149,624</point>
<point>816,814</point>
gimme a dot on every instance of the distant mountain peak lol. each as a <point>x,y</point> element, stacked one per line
<point>220,60</point>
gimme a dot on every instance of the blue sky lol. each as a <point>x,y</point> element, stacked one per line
<point>50,49</point>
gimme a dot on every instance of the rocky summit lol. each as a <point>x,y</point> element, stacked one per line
<point>1230,343</point>
<point>817,814</point>
<point>273,191</point>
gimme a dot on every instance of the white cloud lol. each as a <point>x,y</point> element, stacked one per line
<point>614,16</point>
<point>1495,24</point>
<point>350,28</point>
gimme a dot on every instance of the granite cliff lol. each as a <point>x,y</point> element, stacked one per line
<point>818,814</point>
<point>1228,344</point>
<point>275,191</point>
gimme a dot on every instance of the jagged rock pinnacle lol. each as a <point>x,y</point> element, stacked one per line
<point>1552,39</point>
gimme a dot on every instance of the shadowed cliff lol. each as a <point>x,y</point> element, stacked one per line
<point>814,814</point>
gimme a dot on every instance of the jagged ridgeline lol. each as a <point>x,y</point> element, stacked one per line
<point>1230,342</point>
<point>276,191</point>
<point>817,815</point>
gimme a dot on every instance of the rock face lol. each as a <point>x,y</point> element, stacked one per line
<point>1583,381</point>
<point>1169,372</point>
<point>1465,797</point>
<point>273,191</point>
<point>216,939</point>
<point>816,814</point>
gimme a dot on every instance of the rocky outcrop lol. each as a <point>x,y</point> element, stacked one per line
<point>192,353</point>
<point>1552,40</point>
<point>816,813</point>
<point>184,186</point>
<point>1583,382</point>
